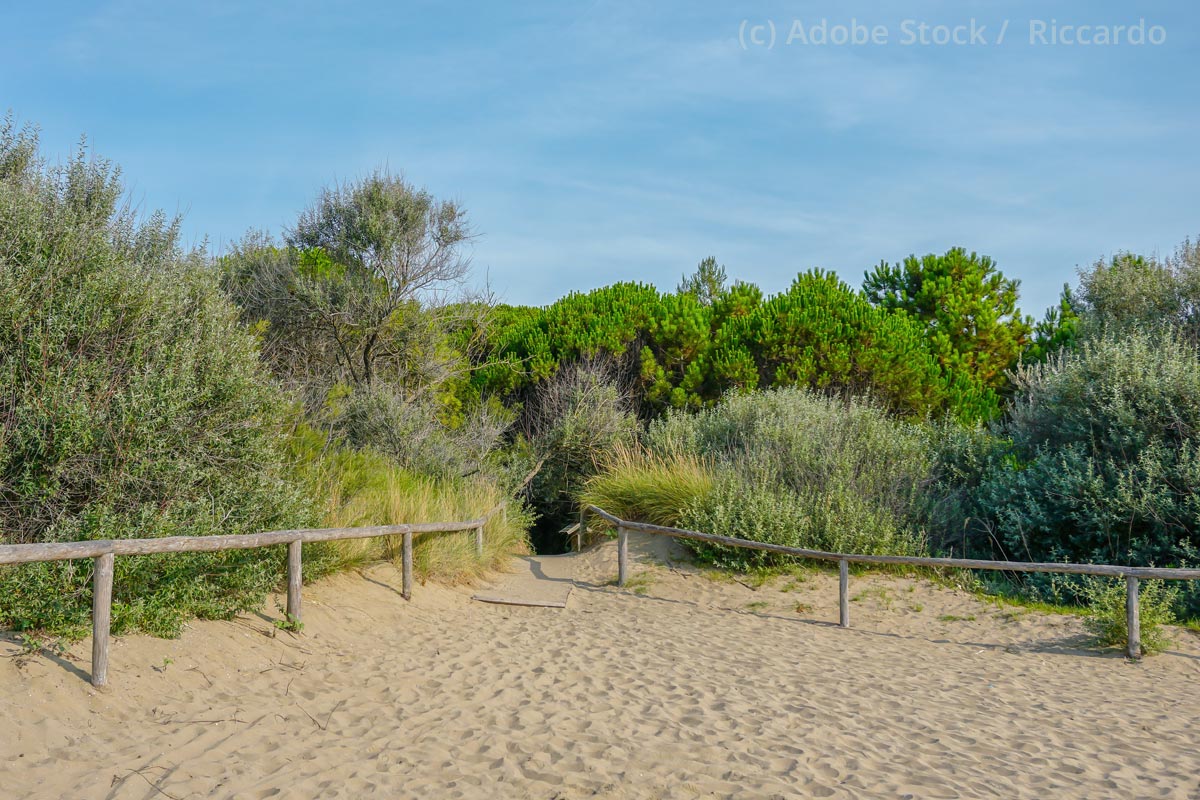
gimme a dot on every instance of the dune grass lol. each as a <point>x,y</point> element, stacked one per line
<point>359,488</point>
<point>400,497</point>
<point>638,485</point>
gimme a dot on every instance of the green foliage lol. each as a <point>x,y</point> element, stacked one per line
<point>806,443</point>
<point>1132,294</point>
<point>1105,598</point>
<point>637,485</point>
<point>1104,461</point>
<point>132,404</point>
<point>804,470</point>
<point>817,519</point>
<point>688,349</point>
<point>963,458</point>
<point>575,421</point>
<point>362,488</point>
<point>822,335</point>
<point>352,316</point>
<point>411,432</point>
<point>526,345</point>
<point>968,308</point>
<point>706,284</point>
<point>783,466</point>
<point>1058,330</point>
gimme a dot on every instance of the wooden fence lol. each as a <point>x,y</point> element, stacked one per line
<point>103,552</point>
<point>1132,575</point>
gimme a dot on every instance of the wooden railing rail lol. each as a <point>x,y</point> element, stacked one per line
<point>1132,575</point>
<point>103,551</point>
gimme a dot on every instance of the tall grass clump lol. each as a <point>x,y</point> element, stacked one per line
<point>401,497</point>
<point>643,486</point>
<point>362,487</point>
<point>132,405</point>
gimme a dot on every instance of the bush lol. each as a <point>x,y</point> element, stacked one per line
<point>1136,294</point>
<point>816,520</point>
<point>968,308</point>
<point>785,466</point>
<point>410,431</point>
<point>809,444</point>
<point>689,348</point>
<point>963,459</point>
<point>1106,616</point>
<point>574,421</point>
<point>1104,464</point>
<point>132,405</point>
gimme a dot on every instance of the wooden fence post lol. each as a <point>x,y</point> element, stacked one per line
<point>579,531</point>
<point>406,561</point>
<point>295,577</point>
<point>102,581</point>
<point>844,593</point>
<point>622,555</point>
<point>479,540</point>
<point>1133,620</point>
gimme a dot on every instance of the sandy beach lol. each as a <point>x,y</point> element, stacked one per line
<point>679,686</point>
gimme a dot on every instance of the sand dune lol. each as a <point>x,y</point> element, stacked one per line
<point>680,687</point>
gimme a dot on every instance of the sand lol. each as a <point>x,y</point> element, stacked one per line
<point>679,687</point>
<point>544,581</point>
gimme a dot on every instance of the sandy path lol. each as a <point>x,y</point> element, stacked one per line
<point>544,581</point>
<point>681,687</point>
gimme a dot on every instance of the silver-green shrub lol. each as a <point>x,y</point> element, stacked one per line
<point>132,404</point>
<point>1130,293</point>
<point>1105,458</point>
<point>801,469</point>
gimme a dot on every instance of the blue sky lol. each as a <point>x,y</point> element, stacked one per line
<point>597,142</point>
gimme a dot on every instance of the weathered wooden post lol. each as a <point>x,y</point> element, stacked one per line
<point>406,562</point>
<point>622,555</point>
<point>479,540</point>
<point>295,578</point>
<point>1133,620</point>
<point>844,593</point>
<point>579,531</point>
<point>102,581</point>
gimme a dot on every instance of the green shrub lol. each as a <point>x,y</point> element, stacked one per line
<point>1106,619</point>
<point>1104,464</point>
<point>968,308</point>
<point>816,520</point>
<point>1136,294</point>
<point>687,349</point>
<point>785,466</point>
<point>812,445</point>
<point>132,405</point>
<point>963,458</point>
<point>575,420</point>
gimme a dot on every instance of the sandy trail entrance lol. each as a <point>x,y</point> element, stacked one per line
<point>542,581</point>
<point>681,686</point>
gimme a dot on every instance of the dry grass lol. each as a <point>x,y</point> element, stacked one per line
<point>399,497</point>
